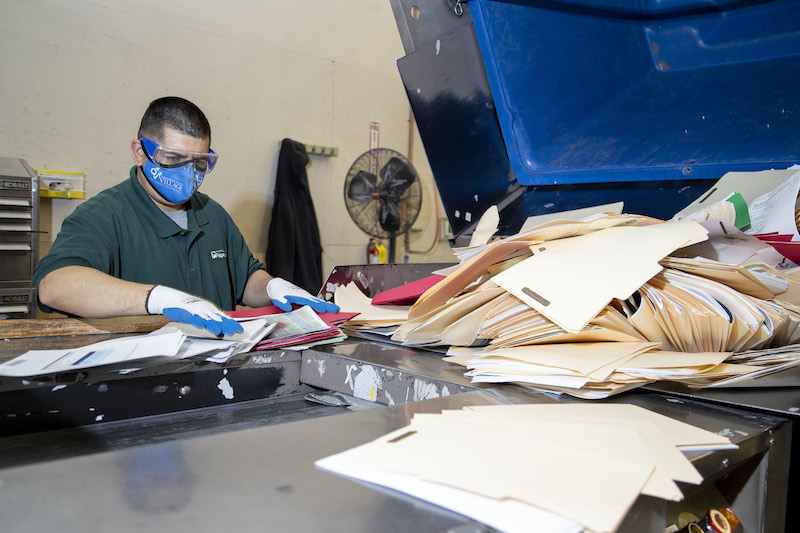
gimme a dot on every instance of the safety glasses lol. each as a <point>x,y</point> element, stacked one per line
<point>171,158</point>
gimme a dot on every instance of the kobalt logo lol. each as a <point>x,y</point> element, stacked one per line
<point>16,298</point>
<point>218,254</point>
<point>14,184</point>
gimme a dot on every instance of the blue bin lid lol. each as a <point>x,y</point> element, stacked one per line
<point>600,91</point>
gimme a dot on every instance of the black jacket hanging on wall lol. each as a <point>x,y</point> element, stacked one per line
<point>294,251</point>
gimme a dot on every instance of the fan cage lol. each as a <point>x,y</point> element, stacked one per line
<point>367,215</point>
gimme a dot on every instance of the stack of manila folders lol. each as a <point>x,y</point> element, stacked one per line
<point>521,468</point>
<point>598,302</point>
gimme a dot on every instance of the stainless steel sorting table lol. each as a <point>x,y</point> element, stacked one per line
<point>233,466</point>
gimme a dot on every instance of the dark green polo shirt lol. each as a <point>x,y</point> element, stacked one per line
<point>123,233</point>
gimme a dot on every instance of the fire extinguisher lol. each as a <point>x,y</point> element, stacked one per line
<point>382,256</point>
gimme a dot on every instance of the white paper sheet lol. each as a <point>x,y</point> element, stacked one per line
<point>127,350</point>
<point>774,211</point>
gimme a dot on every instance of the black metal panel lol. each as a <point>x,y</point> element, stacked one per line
<point>454,110</point>
<point>39,447</point>
<point>80,399</point>
<point>433,19</point>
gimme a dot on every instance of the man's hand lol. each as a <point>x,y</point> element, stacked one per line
<point>182,307</point>
<point>283,294</point>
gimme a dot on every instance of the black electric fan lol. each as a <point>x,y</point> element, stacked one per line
<point>383,195</point>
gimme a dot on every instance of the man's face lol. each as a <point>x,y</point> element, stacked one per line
<point>177,142</point>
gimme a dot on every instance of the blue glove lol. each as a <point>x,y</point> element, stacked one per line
<point>283,294</point>
<point>182,307</point>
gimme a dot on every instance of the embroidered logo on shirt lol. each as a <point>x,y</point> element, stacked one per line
<point>218,254</point>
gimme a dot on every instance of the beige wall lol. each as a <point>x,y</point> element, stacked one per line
<point>77,75</point>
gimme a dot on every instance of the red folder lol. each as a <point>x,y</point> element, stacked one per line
<point>293,340</point>
<point>789,250</point>
<point>773,237</point>
<point>406,294</point>
<point>332,319</point>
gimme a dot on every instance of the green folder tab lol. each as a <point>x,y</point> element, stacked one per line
<point>742,213</point>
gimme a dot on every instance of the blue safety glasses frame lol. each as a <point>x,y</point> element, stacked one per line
<point>172,158</point>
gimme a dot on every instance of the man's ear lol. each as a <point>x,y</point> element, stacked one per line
<point>137,150</point>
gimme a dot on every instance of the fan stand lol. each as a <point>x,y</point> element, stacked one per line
<point>392,247</point>
<point>383,195</point>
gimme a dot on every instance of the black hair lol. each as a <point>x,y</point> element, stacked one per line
<point>176,113</point>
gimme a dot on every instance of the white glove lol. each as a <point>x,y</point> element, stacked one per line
<point>182,307</point>
<point>283,294</point>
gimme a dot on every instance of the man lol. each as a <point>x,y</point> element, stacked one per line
<point>152,244</point>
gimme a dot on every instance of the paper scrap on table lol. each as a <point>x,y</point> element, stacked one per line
<point>125,350</point>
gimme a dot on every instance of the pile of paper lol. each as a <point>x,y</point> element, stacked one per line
<point>299,329</point>
<point>539,286</point>
<point>702,288</point>
<point>264,329</point>
<point>201,343</point>
<point>770,203</point>
<point>123,352</point>
<point>173,341</point>
<point>292,330</point>
<point>510,466</point>
<point>592,370</point>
